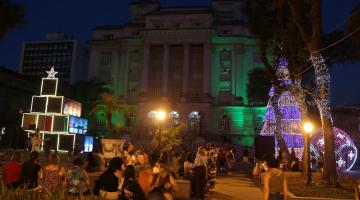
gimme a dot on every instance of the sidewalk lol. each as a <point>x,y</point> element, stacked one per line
<point>238,186</point>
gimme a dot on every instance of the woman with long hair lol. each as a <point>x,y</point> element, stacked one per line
<point>12,171</point>
<point>200,173</point>
<point>132,191</point>
<point>52,175</point>
<point>162,184</point>
<point>109,181</point>
<point>129,175</point>
<point>275,183</point>
<point>30,170</point>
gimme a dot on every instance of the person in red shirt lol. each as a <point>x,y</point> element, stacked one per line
<point>12,171</point>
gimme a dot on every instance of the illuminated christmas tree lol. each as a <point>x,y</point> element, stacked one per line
<point>290,114</point>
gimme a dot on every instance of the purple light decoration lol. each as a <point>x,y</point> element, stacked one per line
<point>345,149</point>
<point>290,111</point>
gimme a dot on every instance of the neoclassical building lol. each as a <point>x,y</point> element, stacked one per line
<point>191,62</point>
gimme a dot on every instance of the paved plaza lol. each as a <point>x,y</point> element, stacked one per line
<point>238,186</point>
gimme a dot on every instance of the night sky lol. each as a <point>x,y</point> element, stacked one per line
<point>78,17</point>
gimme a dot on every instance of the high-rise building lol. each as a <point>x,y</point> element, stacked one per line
<point>59,50</point>
<point>192,62</point>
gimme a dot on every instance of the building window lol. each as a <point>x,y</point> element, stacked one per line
<point>224,124</point>
<point>225,59</point>
<point>105,58</point>
<point>194,119</point>
<point>108,36</point>
<point>174,119</point>
<point>131,120</point>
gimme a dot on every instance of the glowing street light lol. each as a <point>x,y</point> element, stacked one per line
<point>160,115</point>
<point>308,129</point>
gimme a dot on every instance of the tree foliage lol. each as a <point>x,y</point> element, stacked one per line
<point>165,139</point>
<point>110,105</point>
<point>12,15</point>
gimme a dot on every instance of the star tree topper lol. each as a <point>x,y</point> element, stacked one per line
<point>51,73</point>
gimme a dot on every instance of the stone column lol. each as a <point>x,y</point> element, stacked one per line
<point>145,70</point>
<point>165,71</point>
<point>185,78</point>
<point>206,69</point>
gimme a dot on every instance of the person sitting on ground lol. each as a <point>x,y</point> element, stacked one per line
<point>109,181</point>
<point>275,183</point>
<point>132,191</point>
<point>12,171</point>
<point>77,179</point>
<point>129,175</point>
<point>162,184</point>
<point>52,175</point>
<point>30,170</point>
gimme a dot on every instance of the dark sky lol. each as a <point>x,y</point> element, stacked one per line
<point>79,16</point>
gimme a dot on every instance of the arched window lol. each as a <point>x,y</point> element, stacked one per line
<point>224,124</point>
<point>131,120</point>
<point>152,117</point>
<point>174,118</point>
<point>194,118</point>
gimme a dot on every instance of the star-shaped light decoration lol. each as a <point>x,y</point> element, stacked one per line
<point>351,155</point>
<point>340,162</point>
<point>51,73</point>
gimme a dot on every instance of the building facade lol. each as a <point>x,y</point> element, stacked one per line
<point>192,62</point>
<point>59,50</point>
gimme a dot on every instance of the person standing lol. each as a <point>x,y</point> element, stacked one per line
<point>30,170</point>
<point>200,173</point>
<point>212,170</point>
<point>222,159</point>
<point>230,158</point>
<point>36,141</point>
<point>275,182</point>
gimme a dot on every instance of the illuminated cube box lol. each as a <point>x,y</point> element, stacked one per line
<point>44,123</point>
<point>29,121</point>
<point>60,123</point>
<point>38,104</point>
<point>54,105</point>
<point>66,141</point>
<point>49,86</point>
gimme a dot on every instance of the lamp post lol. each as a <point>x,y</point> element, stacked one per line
<point>160,116</point>
<point>308,128</point>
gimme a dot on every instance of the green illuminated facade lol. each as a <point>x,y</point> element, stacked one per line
<point>193,63</point>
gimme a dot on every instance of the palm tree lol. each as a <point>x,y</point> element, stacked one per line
<point>111,105</point>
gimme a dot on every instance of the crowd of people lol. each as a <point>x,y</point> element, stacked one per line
<point>134,175</point>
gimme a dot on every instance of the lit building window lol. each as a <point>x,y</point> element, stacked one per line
<point>194,118</point>
<point>174,118</point>
<point>131,120</point>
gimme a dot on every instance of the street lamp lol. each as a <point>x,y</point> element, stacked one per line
<point>160,116</point>
<point>308,128</point>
